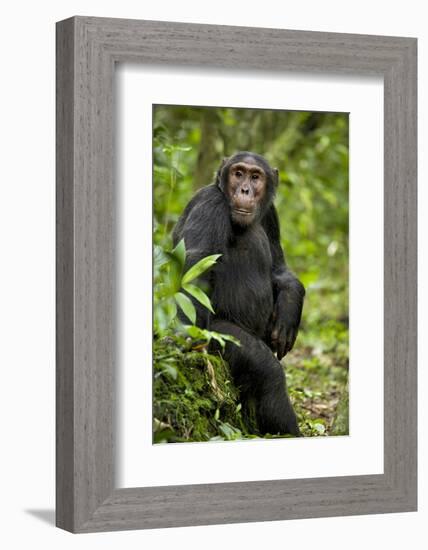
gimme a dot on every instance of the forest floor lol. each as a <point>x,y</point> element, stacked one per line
<point>319,393</point>
<point>317,377</point>
<point>195,399</point>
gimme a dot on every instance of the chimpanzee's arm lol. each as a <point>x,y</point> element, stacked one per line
<point>288,292</point>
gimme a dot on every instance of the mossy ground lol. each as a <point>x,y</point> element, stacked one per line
<point>195,398</point>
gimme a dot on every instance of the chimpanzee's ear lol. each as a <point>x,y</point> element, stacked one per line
<point>275,177</point>
<point>219,171</point>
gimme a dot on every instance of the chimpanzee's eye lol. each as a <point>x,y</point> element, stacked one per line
<point>255,177</point>
<point>238,174</point>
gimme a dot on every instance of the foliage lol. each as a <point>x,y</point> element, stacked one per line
<point>310,150</point>
<point>171,281</point>
<point>172,286</point>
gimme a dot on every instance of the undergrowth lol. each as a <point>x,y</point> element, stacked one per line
<point>194,397</point>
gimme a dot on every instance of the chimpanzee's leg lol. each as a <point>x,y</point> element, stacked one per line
<point>257,372</point>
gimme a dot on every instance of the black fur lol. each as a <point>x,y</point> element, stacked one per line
<point>253,293</point>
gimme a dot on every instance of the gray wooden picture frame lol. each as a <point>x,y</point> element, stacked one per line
<point>87,51</point>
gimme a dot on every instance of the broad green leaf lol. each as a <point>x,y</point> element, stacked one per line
<point>202,334</point>
<point>197,333</point>
<point>199,295</point>
<point>171,311</point>
<point>199,268</point>
<point>229,431</point>
<point>173,274</point>
<point>179,252</point>
<point>175,267</point>
<point>223,338</point>
<point>186,306</point>
<point>230,338</point>
<point>164,313</point>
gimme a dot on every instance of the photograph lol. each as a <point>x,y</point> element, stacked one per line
<point>250,273</point>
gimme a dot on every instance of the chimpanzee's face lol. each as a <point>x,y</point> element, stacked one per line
<point>246,188</point>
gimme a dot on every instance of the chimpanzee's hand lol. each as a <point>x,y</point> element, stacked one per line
<point>286,321</point>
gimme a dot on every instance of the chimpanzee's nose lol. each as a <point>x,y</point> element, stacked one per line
<point>245,190</point>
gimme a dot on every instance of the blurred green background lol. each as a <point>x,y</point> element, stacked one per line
<point>310,150</point>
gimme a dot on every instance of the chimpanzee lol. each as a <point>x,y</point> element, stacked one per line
<point>254,295</point>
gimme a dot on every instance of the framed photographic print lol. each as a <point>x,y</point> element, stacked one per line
<point>236,274</point>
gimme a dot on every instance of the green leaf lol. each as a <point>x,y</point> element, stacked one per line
<point>175,267</point>
<point>199,268</point>
<point>230,338</point>
<point>179,253</point>
<point>230,432</point>
<point>199,295</point>
<point>173,274</point>
<point>223,338</point>
<point>164,314</point>
<point>202,334</point>
<point>197,333</point>
<point>186,306</point>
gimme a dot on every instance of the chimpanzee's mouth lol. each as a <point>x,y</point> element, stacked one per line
<point>243,212</point>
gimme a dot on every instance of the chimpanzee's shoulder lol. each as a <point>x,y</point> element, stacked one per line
<point>206,211</point>
<point>210,200</point>
<point>208,193</point>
